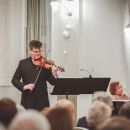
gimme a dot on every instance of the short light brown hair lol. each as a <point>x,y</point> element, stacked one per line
<point>64,103</point>
<point>60,119</point>
<point>35,44</point>
<point>112,87</point>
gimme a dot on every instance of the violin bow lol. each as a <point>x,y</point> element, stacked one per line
<point>38,74</point>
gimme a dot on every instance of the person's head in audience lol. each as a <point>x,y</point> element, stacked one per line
<point>64,103</point>
<point>125,110</point>
<point>97,113</point>
<point>29,120</point>
<point>8,111</point>
<point>60,119</point>
<point>103,97</point>
<point>115,88</point>
<point>115,123</point>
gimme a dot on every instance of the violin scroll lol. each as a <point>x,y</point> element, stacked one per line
<point>61,69</point>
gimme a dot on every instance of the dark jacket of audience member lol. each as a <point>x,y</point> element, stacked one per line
<point>82,122</point>
<point>125,110</point>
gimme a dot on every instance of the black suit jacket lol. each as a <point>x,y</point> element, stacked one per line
<point>82,122</point>
<point>26,73</point>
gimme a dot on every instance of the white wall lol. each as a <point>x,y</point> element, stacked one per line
<point>70,59</point>
<point>96,41</point>
<point>127,38</point>
<point>101,46</point>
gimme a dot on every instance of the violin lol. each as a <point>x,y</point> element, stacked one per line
<point>47,64</point>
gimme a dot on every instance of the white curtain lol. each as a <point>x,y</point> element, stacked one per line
<point>39,24</point>
<point>33,22</point>
<point>45,26</point>
<point>12,37</point>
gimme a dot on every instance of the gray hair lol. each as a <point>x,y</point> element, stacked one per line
<point>30,120</point>
<point>102,96</point>
<point>97,113</point>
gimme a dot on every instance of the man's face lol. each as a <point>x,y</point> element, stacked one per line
<point>36,53</point>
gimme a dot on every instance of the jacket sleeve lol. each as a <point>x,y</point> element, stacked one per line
<point>16,80</point>
<point>50,78</point>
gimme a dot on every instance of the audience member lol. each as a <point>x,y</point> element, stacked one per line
<point>30,120</point>
<point>64,103</point>
<point>115,123</point>
<point>60,119</point>
<point>116,90</point>
<point>8,111</point>
<point>103,97</point>
<point>97,114</point>
<point>97,96</point>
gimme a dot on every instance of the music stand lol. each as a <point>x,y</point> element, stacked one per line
<point>76,86</point>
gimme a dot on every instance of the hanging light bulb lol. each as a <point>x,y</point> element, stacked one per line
<point>69,27</point>
<point>66,34</point>
<point>55,5</point>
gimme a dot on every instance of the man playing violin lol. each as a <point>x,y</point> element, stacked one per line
<point>33,85</point>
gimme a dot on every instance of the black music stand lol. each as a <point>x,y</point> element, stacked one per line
<point>76,86</point>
